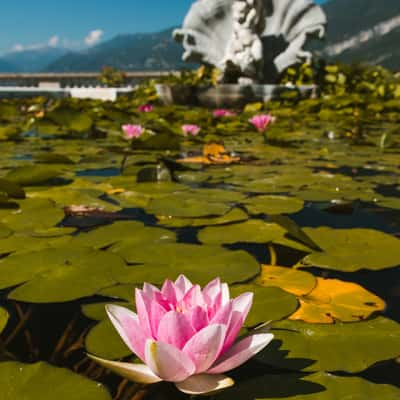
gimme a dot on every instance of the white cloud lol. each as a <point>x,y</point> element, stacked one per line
<point>54,41</point>
<point>93,37</point>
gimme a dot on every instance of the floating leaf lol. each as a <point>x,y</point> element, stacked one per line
<point>269,304</point>
<point>297,386</point>
<point>353,249</point>
<point>213,153</point>
<point>350,347</point>
<point>33,175</point>
<point>252,231</point>
<point>59,275</point>
<point>291,280</point>
<point>45,382</point>
<point>333,299</point>
<point>3,319</point>
<point>273,205</point>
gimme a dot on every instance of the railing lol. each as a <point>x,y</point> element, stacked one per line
<point>72,80</point>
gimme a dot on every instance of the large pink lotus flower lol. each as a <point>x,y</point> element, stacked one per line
<point>261,122</point>
<point>185,335</point>
<point>223,113</point>
<point>133,131</point>
<point>145,108</point>
<point>190,129</point>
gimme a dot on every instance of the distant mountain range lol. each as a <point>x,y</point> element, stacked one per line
<point>358,30</point>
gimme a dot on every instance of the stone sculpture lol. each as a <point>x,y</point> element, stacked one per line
<point>250,41</point>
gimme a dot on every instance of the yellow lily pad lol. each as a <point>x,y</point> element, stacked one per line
<point>333,300</point>
<point>299,283</point>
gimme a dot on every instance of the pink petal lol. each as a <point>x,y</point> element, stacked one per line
<point>127,325</point>
<point>139,373</point>
<point>171,292</point>
<point>168,362</point>
<point>223,315</point>
<point>204,384</point>
<point>183,284</point>
<point>149,313</point>
<point>211,291</point>
<point>193,298</point>
<point>204,347</point>
<point>240,308</point>
<point>175,328</point>
<point>225,294</point>
<point>198,317</point>
<point>150,290</point>
<point>241,352</point>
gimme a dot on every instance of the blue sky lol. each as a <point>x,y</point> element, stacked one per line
<point>76,24</point>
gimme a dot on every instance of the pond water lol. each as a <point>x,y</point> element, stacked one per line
<point>306,216</point>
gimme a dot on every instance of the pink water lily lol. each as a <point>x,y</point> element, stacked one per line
<point>133,131</point>
<point>261,122</point>
<point>145,108</point>
<point>190,129</point>
<point>185,335</point>
<point>223,113</point>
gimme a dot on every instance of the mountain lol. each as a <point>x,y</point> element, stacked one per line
<point>130,52</point>
<point>363,30</point>
<point>33,60</point>
<point>5,66</point>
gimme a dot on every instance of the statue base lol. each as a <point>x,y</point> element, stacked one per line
<point>230,95</point>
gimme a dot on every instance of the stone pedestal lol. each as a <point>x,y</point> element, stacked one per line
<point>231,95</point>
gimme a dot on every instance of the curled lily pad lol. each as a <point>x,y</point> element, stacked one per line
<point>350,347</point>
<point>273,205</point>
<point>333,300</point>
<point>41,380</point>
<point>353,249</point>
<point>297,282</point>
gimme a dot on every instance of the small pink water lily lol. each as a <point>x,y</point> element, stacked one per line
<point>145,108</point>
<point>190,129</point>
<point>185,335</point>
<point>223,113</point>
<point>261,122</point>
<point>133,131</point>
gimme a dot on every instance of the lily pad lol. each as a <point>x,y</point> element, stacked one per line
<point>252,231</point>
<point>319,386</point>
<point>41,380</point>
<point>33,175</point>
<point>5,231</point>
<point>269,304</point>
<point>199,263</point>
<point>349,347</point>
<point>299,283</point>
<point>3,319</point>
<point>333,300</point>
<point>273,205</point>
<point>59,275</point>
<point>353,249</point>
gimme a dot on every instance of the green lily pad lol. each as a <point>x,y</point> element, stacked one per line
<point>235,215</point>
<point>350,347</point>
<point>273,205</point>
<point>135,233</point>
<point>319,386</point>
<point>3,319</point>
<point>199,263</point>
<point>33,214</point>
<point>252,231</point>
<point>59,275</point>
<point>41,380</point>
<point>270,304</point>
<point>33,175</point>
<point>353,249</point>
<point>5,231</point>
<point>11,189</point>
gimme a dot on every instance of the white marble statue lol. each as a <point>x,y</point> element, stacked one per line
<point>250,41</point>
